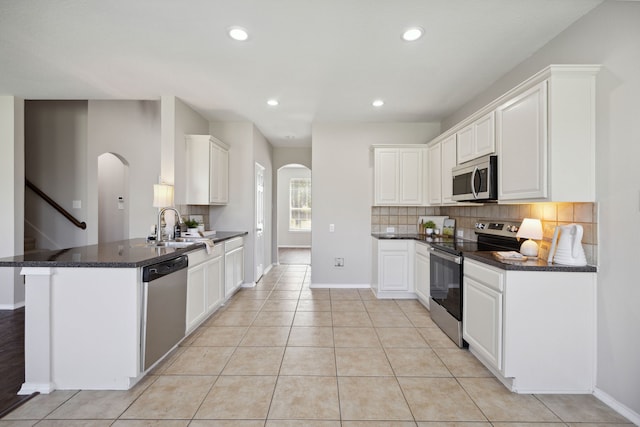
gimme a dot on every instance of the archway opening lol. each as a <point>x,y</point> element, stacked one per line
<point>294,214</point>
<point>113,198</point>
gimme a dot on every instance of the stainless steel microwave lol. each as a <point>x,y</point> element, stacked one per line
<point>476,180</point>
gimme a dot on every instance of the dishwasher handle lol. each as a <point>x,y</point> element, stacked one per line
<point>161,269</point>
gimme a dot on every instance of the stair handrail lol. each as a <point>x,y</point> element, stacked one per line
<point>63,211</point>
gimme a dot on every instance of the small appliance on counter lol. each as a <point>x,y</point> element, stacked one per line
<point>566,246</point>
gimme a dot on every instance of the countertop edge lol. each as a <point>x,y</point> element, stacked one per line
<point>489,259</point>
<point>170,253</point>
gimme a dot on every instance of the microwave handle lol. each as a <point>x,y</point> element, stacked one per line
<point>473,182</point>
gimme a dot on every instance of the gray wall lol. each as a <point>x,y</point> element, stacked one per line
<point>342,177</point>
<point>12,196</point>
<point>130,129</point>
<point>609,35</point>
<point>286,238</point>
<point>55,161</point>
<point>247,146</point>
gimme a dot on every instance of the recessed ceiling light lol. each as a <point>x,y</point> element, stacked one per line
<point>412,34</point>
<point>378,103</point>
<point>273,102</point>
<point>238,33</point>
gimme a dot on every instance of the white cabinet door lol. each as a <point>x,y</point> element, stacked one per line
<point>387,175</point>
<point>207,166</point>
<point>422,272</point>
<point>411,176</point>
<point>398,175</point>
<point>477,139</point>
<point>482,320</point>
<point>394,269</point>
<point>219,176</point>
<point>522,143</point>
<point>196,299</point>
<point>449,161</point>
<point>485,135</point>
<point>466,143</point>
<point>197,170</point>
<point>434,168</point>
<point>233,265</point>
<point>214,283</point>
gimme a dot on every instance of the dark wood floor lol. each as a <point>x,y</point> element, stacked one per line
<point>11,359</point>
<point>294,256</point>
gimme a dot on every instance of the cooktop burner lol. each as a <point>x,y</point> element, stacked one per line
<point>493,235</point>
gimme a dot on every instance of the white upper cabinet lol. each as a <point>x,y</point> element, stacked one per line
<point>398,175</point>
<point>476,139</point>
<point>207,171</point>
<point>441,158</point>
<point>449,152</point>
<point>522,143</point>
<point>545,137</point>
<point>435,177</point>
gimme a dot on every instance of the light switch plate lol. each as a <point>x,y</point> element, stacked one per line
<point>77,204</point>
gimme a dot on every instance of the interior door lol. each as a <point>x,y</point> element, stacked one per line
<point>259,232</point>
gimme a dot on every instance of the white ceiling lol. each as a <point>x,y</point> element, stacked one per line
<point>324,60</point>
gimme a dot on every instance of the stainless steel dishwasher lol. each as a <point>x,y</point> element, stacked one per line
<point>164,309</point>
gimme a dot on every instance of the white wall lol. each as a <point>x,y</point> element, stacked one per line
<point>608,35</point>
<point>130,129</point>
<point>291,155</point>
<point>113,186</point>
<point>55,161</point>
<point>263,154</point>
<point>286,238</point>
<point>246,146</point>
<point>342,176</point>
<point>12,196</point>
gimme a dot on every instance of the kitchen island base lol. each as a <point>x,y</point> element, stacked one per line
<point>82,329</point>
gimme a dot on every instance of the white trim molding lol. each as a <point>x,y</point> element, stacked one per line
<point>620,408</point>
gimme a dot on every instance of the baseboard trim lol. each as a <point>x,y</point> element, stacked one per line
<point>295,247</point>
<point>12,306</point>
<point>620,408</point>
<point>340,286</point>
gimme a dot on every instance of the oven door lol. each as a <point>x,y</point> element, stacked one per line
<point>446,281</point>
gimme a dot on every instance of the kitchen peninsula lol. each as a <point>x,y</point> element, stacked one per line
<point>85,307</point>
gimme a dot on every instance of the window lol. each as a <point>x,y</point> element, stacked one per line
<point>300,204</point>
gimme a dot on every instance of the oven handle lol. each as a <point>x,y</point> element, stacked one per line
<point>444,255</point>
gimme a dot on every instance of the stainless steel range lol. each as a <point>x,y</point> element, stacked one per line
<point>446,271</point>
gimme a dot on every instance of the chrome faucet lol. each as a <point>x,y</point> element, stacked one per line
<point>159,229</point>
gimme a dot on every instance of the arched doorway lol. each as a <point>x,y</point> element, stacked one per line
<point>294,214</point>
<point>113,198</point>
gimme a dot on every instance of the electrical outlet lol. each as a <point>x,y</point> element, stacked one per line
<point>459,234</point>
<point>391,229</point>
<point>339,262</point>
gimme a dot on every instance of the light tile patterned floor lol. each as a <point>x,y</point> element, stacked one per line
<point>284,355</point>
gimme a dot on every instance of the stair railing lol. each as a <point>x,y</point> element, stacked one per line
<point>63,211</point>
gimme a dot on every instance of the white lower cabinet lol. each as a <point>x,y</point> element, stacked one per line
<point>422,272</point>
<point>204,285</point>
<point>535,330</point>
<point>393,268</point>
<point>482,311</point>
<point>233,265</point>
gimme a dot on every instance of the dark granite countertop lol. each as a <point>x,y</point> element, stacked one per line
<point>131,253</point>
<point>487,257</point>
<point>531,264</point>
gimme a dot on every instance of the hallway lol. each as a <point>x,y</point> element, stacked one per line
<point>294,256</point>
